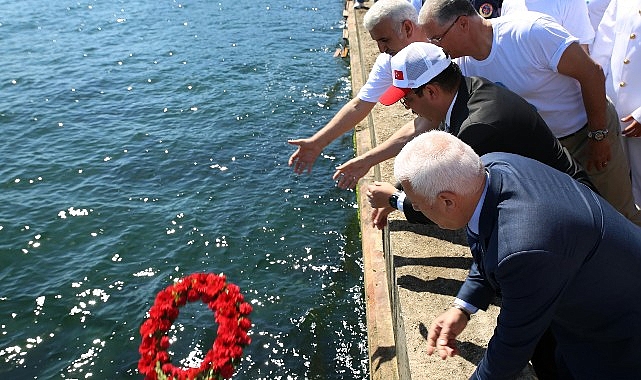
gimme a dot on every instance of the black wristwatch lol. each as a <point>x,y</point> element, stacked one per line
<point>598,135</point>
<point>393,200</point>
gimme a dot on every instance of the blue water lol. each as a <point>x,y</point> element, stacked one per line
<point>144,141</point>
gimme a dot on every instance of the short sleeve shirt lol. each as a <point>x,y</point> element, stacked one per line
<point>525,53</point>
<point>379,80</point>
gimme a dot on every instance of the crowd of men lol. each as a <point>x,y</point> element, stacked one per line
<point>528,135</point>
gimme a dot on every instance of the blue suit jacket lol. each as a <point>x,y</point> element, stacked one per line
<point>560,256</point>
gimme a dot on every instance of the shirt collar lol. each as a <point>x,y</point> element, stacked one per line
<point>473,224</point>
<point>448,115</point>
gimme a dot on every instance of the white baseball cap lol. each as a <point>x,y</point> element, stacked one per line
<point>412,67</point>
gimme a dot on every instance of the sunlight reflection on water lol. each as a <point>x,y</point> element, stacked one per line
<point>147,141</point>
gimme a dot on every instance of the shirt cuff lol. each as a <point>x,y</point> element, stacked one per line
<point>400,200</point>
<point>636,114</point>
<point>467,306</point>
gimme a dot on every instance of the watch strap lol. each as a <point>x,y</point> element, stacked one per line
<point>598,134</point>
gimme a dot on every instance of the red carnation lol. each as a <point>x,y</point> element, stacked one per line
<point>230,312</point>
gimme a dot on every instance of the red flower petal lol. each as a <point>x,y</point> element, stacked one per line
<point>230,312</point>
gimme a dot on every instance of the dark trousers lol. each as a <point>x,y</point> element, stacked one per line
<point>544,358</point>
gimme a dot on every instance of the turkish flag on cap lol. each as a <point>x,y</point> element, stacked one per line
<point>398,75</point>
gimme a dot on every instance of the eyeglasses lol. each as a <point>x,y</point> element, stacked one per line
<point>437,40</point>
<point>404,101</point>
<point>418,91</point>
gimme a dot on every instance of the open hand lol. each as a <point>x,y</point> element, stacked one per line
<point>304,157</point>
<point>350,172</point>
<point>379,216</point>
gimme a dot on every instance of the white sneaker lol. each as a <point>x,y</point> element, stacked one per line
<point>358,5</point>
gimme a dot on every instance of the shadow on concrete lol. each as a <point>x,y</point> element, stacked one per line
<point>471,352</point>
<point>455,237</point>
<point>444,262</point>
<point>439,285</point>
<point>382,355</point>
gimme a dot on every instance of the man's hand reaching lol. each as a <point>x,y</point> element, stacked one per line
<point>304,157</point>
<point>350,172</point>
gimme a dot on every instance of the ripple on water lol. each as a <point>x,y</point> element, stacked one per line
<point>147,141</point>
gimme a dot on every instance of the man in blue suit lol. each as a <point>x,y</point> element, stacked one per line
<point>558,255</point>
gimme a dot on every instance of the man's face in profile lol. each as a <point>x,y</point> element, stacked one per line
<point>389,36</point>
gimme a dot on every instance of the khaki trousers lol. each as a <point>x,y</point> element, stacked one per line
<point>613,182</point>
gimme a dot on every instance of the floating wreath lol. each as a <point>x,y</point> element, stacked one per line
<point>230,312</point>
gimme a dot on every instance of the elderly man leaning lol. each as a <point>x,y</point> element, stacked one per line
<point>585,289</point>
<point>392,24</point>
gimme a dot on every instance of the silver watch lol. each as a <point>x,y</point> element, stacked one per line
<point>598,135</point>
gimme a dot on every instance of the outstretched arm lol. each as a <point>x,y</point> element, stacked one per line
<point>350,172</point>
<point>310,148</point>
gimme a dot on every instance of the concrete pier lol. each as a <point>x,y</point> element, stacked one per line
<point>412,273</point>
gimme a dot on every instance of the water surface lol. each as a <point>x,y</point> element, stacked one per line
<point>143,141</point>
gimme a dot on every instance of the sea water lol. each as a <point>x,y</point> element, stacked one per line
<point>146,140</point>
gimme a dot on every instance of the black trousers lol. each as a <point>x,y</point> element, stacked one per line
<point>544,358</point>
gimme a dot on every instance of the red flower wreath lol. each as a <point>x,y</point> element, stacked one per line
<point>230,312</point>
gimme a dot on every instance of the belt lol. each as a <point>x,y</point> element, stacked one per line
<point>572,134</point>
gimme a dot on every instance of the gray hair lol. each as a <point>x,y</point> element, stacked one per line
<point>437,161</point>
<point>395,10</point>
<point>444,11</point>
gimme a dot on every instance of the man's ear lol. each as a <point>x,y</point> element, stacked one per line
<point>406,28</point>
<point>464,22</point>
<point>431,90</point>
<point>448,199</point>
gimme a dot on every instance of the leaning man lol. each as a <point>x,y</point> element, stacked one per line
<point>556,253</point>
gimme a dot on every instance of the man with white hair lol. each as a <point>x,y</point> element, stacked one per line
<point>392,24</point>
<point>586,289</point>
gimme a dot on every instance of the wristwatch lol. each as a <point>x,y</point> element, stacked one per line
<point>393,200</point>
<point>598,135</point>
